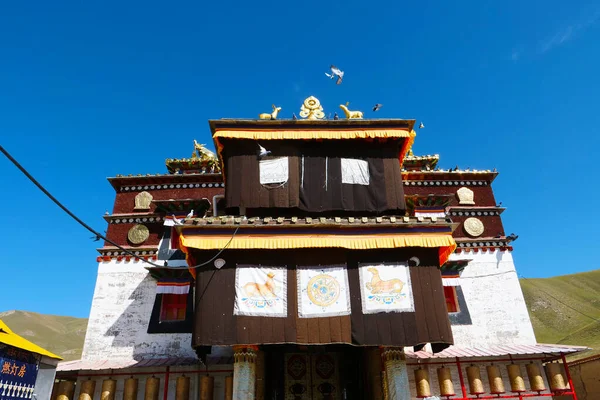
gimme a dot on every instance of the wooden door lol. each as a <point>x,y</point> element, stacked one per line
<point>312,375</point>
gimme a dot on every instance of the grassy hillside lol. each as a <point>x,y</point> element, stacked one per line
<point>61,335</point>
<point>551,302</point>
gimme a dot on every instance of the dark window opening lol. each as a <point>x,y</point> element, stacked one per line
<point>174,239</point>
<point>451,299</point>
<point>173,307</point>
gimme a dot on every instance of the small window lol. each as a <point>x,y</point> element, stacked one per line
<point>173,307</point>
<point>274,171</point>
<point>451,299</point>
<point>355,172</point>
<point>174,239</point>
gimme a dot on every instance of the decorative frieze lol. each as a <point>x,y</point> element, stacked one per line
<point>172,186</point>
<point>131,219</point>
<point>444,183</point>
<point>473,213</point>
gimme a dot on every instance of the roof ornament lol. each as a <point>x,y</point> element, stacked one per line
<point>272,115</point>
<point>351,114</point>
<point>201,152</point>
<point>312,109</point>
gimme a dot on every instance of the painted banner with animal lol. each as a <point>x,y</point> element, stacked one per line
<point>260,291</point>
<point>385,288</point>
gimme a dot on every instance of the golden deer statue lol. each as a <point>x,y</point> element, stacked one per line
<point>273,115</point>
<point>351,114</point>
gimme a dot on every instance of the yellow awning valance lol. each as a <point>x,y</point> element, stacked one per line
<point>12,339</point>
<point>282,134</point>
<point>241,241</point>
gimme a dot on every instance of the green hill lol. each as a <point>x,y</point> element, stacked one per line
<point>63,336</point>
<point>565,309</point>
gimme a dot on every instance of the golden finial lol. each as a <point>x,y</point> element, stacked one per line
<point>312,109</point>
<point>410,153</point>
<point>273,115</point>
<point>351,114</point>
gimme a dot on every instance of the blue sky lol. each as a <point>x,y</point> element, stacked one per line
<point>89,90</point>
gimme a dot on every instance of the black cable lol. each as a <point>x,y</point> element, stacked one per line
<point>86,226</point>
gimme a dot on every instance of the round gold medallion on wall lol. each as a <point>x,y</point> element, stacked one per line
<point>473,226</point>
<point>138,234</point>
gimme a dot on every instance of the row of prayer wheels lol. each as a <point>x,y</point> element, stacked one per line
<point>65,390</point>
<point>554,373</point>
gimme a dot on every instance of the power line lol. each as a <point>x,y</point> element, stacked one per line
<point>564,304</point>
<point>86,226</point>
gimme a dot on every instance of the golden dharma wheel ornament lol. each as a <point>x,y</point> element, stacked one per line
<point>138,234</point>
<point>312,109</point>
<point>473,226</point>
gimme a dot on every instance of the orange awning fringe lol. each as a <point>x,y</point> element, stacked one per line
<point>445,242</point>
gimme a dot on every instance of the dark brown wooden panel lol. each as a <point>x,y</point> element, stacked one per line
<point>315,181</point>
<point>215,323</point>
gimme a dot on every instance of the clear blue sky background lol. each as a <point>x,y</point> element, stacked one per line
<point>89,90</point>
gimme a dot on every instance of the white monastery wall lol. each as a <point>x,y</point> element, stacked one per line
<point>495,302</point>
<point>119,317</point>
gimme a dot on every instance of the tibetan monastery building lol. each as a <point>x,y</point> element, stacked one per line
<point>310,259</point>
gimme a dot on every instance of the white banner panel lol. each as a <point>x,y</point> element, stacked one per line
<point>355,171</point>
<point>261,292</point>
<point>385,288</point>
<point>274,171</point>
<point>323,292</point>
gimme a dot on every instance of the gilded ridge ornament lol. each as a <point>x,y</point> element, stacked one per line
<point>351,114</point>
<point>138,234</point>
<point>473,226</point>
<point>272,115</point>
<point>312,109</point>
<point>142,201</point>
<point>201,152</point>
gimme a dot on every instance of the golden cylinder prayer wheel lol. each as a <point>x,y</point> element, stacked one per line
<point>495,380</point>
<point>474,378</point>
<point>182,389</point>
<point>109,387</point>
<point>517,384</point>
<point>152,387</point>
<point>536,381</point>
<point>556,377</point>
<point>131,389</point>
<point>422,382</point>
<point>229,388</point>
<point>207,386</point>
<point>87,390</point>
<point>66,390</point>
<point>445,380</point>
